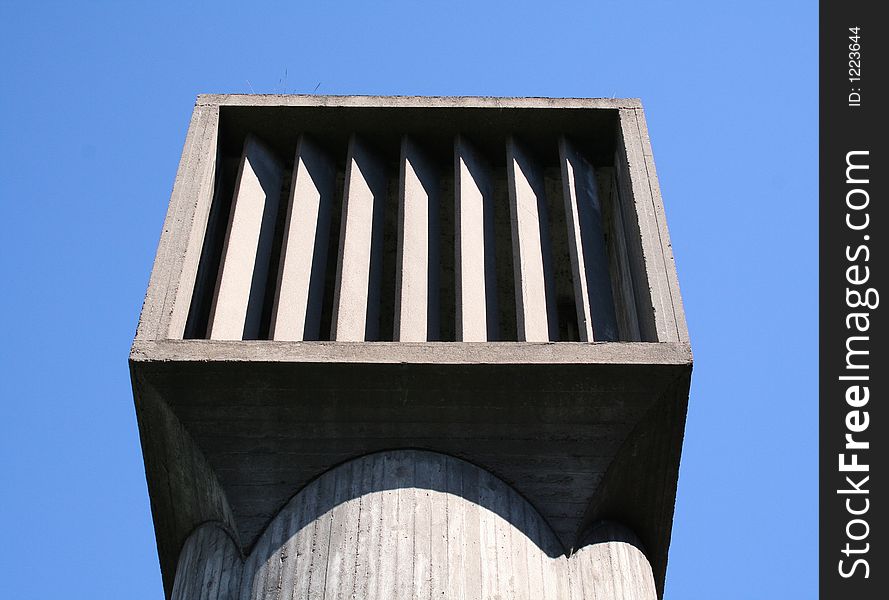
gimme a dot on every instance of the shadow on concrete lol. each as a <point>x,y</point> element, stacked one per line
<point>406,469</point>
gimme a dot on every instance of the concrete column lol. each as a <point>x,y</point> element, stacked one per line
<point>356,306</point>
<point>402,525</point>
<point>407,524</point>
<point>611,565</point>
<point>209,566</point>
<point>244,268</point>
<point>476,275</point>
<point>297,310</point>
<point>536,316</point>
<point>586,246</point>
<point>417,287</point>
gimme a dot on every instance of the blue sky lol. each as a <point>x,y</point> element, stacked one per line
<point>96,98</point>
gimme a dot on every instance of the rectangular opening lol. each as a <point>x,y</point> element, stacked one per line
<point>594,133</point>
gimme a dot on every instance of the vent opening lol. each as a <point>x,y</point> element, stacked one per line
<point>378,224</point>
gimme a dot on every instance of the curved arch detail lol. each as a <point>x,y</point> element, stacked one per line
<point>408,524</point>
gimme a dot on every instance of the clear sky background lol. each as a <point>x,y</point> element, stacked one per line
<point>95,99</point>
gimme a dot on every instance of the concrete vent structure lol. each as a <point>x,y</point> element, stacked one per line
<point>349,333</point>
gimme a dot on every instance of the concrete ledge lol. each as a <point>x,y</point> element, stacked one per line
<point>412,101</point>
<point>611,353</point>
<point>585,435</point>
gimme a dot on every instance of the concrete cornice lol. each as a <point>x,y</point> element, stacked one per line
<point>413,101</point>
<point>466,353</point>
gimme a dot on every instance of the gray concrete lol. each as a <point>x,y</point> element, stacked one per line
<point>663,235</point>
<point>209,567</point>
<point>406,525</point>
<point>237,305</point>
<point>657,292</point>
<point>232,429</point>
<point>586,244</point>
<point>491,102</point>
<point>417,276</point>
<point>296,314</point>
<point>476,272</point>
<point>168,299</point>
<point>611,564</point>
<point>536,316</point>
<point>357,300</point>
<point>618,258</point>
<point>270,416</point>
<point>169,296</point>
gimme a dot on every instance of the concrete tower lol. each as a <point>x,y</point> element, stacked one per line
<point>410,347</point>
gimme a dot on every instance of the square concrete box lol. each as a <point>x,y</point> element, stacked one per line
<point>455,320</point>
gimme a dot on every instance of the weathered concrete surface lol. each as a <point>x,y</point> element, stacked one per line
<point>296,315</point>
<point>168,300</point>
<point>237,305</point>
<point>536,315</point>
<point>663,235</point>
<point>356,302</point>
<point>417,277</point>
<point>476,274</point>
<point>279,120</point>
<point>209,567</point>
<point>625,302</point>
<point>415,101</point>
<point>657,291</point>
<point>549,419</point>
<point>464,353</point>
<point>184,490</point>
<point>612,564</point>
<point>585,432</point>
<point>586,244</point>
<point>410,524</point>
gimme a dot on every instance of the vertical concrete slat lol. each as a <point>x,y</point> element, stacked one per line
<point>664,234</point>
<point>356,307</point>
<point>296,314</point>
<point>619,261</point>
<point>237,305</point>
<point>197,199</point>
<point>536,317</point>
<point>417,283</point>
<point>586,245</point>
<point>476,275</point>
<point>642,221</point>
<point>169,288</point>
